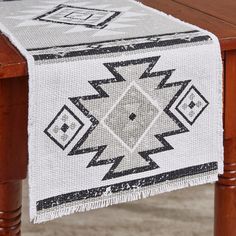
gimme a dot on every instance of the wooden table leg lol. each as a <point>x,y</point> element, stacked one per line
<point>10,208</point>
<point>225,189</point>
<point>13,152</point>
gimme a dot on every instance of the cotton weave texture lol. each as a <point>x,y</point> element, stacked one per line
<point>125,102</point>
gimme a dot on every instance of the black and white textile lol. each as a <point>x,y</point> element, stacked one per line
<point>124,102</point>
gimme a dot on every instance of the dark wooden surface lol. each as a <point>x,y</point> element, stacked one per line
<point>13,152</point>
<point>224,10</point>
<point>216,16</point>
<point>10,208</point>
<point>225,190</point>
<point>13,128</point>
<point>207,14</point>
<point>12,63</point>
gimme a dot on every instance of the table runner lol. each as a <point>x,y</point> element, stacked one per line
<point>124,102</point>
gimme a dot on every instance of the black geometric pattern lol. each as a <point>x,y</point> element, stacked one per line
<point>119,45</point>
<point>97,85</point>
<point>71,15</point>
<point>67,125</point>
<point>125,186</point>
<point>132,116</point>
<point>64,127</point>
<point>192,105</point>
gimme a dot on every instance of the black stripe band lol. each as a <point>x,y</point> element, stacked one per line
<point>130,185</point>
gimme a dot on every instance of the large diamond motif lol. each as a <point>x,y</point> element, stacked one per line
<point>71,15</point>
<point>131,117</point>
<point>127,124</point>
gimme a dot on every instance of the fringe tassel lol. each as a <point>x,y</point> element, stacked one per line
<point>133,195</point>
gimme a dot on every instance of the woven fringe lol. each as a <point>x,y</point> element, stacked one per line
<point>133,195</point>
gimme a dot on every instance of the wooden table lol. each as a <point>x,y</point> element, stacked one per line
<point>216,16</point>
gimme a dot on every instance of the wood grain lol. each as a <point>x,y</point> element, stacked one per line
<point>225,191</point>
<point>224,10</point>
<point>12,63</point>
<point>13,128</point>
<point>10,208</point>
<point>225,31</point>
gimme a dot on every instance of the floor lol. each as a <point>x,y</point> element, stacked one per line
<point>187,212</point>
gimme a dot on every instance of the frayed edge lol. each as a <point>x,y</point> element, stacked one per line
<point>133,195</point>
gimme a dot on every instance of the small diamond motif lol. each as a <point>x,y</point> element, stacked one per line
<point>64,127</point>
<point>72,15</point>
<point>192,105</point>
<point>131,117</point>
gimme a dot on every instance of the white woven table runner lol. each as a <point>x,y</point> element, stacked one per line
<point>125,102</point>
